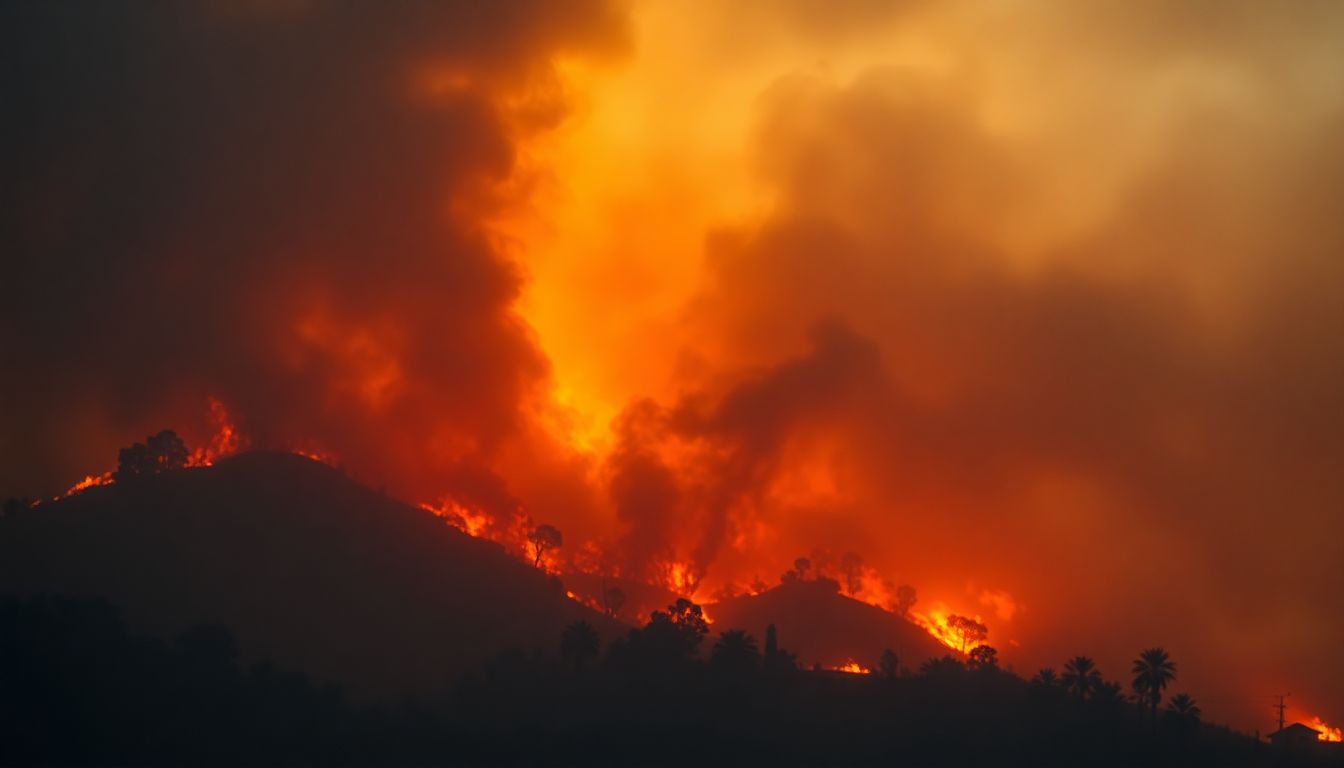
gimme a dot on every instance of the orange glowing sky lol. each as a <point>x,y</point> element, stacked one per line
<point>1129,152</point>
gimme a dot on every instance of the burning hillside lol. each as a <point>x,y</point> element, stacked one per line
<point>542,546</point>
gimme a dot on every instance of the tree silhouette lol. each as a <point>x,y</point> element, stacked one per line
<point>967,630</point>
<point>801,566</point>
<point>161,452</point>
<point>579,642</point>
<point>888,664</point>
<point>771,645</point>
<point>983,658</point>
<point>1183,706</point>
<point>1081,677</point>
<point>905,599</point>
<point>1046,678</point>
<point>1152,671</point>
<point>851,567</point>
<point>543,538</point>
<point>676,632</point>
<point>735,652</point>
<point>1107,694</point>
<point>944,667</point>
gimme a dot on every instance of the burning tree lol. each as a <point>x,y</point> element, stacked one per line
<point>967,630</point>
<point>544,538</point>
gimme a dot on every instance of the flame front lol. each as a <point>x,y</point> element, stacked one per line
<point>853,667</point>
<point>936,623</point>
<point>1327,732</point>
<point>89,481</point>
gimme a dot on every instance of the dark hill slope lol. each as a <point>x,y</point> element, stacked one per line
<point>822,626</point>
<point>308,568</point>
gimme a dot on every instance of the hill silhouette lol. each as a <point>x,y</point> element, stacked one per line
<point>823,626</point>
<point>310,569</point>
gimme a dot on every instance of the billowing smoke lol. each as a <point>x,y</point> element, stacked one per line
<point>1035,308</point>
<point>286,205</point>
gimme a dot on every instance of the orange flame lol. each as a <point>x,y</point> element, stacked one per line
<point>89,481</point>
<point>935,622</point>
<point>469,521</point>
<point>682,578</point>
<point>853,667</point>
<point>225,442</point>
<point>1327,732</point>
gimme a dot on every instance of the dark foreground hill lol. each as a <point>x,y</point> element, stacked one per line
<point>309,569</point>
<point>824,627</point>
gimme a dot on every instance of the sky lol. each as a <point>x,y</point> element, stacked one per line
<point>1036,308</point>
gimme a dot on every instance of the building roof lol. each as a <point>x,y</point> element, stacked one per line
<point>1297,729</point>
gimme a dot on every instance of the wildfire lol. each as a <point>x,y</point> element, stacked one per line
<point>936,622</point>
<point>1327,732</point>
<point>89,481</point>
<point>226,440</point>
<point>469,521</point>
<point>682,578</point>
<point>853,667</point>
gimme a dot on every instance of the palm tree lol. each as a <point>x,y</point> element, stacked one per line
<point>1046,678</point>
<point>1081,677</point>
<point>1152,671</point>
<point>735,650</point>
<point>578,642</point>
<point>1181,704</point>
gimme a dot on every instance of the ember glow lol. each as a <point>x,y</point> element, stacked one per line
<point>853,667</point>
<point>1013,306</point>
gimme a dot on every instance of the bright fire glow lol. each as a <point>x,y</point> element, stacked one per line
<point>1328,732</point>
<point>89,481</point>
<point>935,622</point>
<point>853,667</point>
<point>469,521</point>
<point>225,441</point>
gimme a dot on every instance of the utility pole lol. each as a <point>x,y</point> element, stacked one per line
<point>1281,706</point>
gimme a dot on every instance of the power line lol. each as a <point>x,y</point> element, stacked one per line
<point>1281,706</point>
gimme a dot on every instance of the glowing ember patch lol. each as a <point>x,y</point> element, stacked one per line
<point>322,457</point>
<point>853,667</point>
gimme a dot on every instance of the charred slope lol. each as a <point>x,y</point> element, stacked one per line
<point>308,568</point>
<point>822,626</point>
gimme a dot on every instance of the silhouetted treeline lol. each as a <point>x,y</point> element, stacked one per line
<point>78,688</point>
